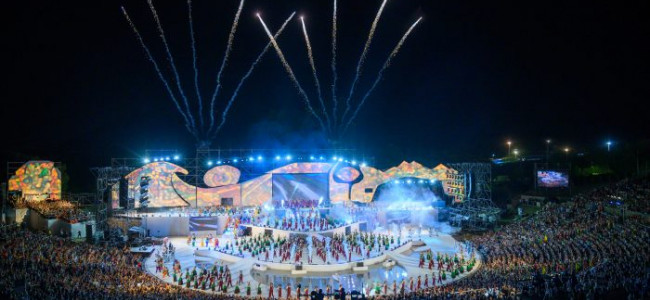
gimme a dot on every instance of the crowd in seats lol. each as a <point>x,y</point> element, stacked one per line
<point>633,193</point>
<point>59,209</point>
<point>571,250</point>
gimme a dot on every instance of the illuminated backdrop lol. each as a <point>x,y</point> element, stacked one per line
<point>37,180</point>
<point>346,183</point>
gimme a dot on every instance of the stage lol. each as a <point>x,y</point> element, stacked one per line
<point>351,275</point>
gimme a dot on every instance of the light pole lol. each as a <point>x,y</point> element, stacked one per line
<point>566,153</point>
<point>509,144</point>
<point>548,144</point>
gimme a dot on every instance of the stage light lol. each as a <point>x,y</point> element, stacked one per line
<point>251,158</point>
<point>219,162</point>
<point>321,158</point>
<point>409,181</point>
<point>340,159</point>
<point>277,157</point>
<point>167,158</point>
<point>209,162</point>
<point>155,159</point>
<point>235,160</point>
<point>288,157</point>
<point>354,162</point>
<point>312,157</point>
<point>260,158</point>
<point>420,181</point>
<point>334,158</point>
<point>177,157</point>
<point>146,160</point>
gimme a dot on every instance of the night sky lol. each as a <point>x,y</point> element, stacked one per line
<point>79,89</point>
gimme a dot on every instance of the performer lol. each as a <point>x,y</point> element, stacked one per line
<point>271,291</point>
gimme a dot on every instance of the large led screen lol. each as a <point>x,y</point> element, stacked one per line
<point>300,186</point>
<point>552,179</point>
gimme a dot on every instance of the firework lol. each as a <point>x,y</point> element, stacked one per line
<point>231,37</point>
<point>196,70</point>
<point>289,70</point>
<point>157,68</point>
<point>362,59</point>
<point>170,57</point>
<point>313,70</point>
<point>248,74</point>
<point>381,72</point>
<point>334,74</point>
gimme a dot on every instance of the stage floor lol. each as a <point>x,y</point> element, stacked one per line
<point>406,266</point>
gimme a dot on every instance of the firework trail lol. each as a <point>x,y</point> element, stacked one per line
<point>313,70</point>
<point>158,71</point>
<point>196,70</point>
<point>287,67</point>
<point>381,72</point>
<point>171,62</point>
<point>248,74</point>
<point>334,75</point>
<point>362,59</point>
<point>231,37</point>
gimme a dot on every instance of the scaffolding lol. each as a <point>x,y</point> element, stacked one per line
<point>477,212</point>
<point>106,178</point>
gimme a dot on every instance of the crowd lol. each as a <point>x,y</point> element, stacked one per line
<point>571,250</point>
<point>297,203</point>
<point>633,193</point>
<point>300,221</point>
<point>59,209</point>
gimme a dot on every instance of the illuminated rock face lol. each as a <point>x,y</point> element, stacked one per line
<point>346,182</point>
<point>37,181</point>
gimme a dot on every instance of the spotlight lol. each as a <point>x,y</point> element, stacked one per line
<point>167,158</point>
<point>155,159</point>
<point>409,181</point>
<point>363,165</point>
<point>277,157</point>
<point>340,159</point>
<point>354,162</point>
<point>321,157</point>
<point>219,162</point>
<point>420,181</point>
<point>260,158</point>
<point>146,160</point>
<point>251,158</point>
<point>312,157</point>
<point>288,157</point>
<point>209,162</point>
<point>235,160</point>
<point>177,157</point>
<point>334,158</point>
